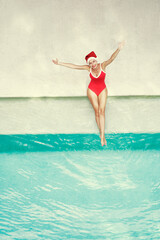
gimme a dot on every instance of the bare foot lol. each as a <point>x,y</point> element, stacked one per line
<point>103,140</point>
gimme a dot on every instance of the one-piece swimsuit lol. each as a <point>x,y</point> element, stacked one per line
<point>97,84</point>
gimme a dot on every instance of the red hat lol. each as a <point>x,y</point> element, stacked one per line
<point>90,56</point>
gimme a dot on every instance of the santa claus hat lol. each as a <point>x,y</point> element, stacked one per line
<point>90,56</point>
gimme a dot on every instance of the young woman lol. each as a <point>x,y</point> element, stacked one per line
<point>97,91</point>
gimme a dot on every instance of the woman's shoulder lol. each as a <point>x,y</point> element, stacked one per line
<point>88,68</point>
<point>102,66</point>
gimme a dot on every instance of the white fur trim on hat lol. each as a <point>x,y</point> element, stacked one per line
<point>90,59</point>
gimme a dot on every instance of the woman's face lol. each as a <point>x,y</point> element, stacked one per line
<point>93,63</point>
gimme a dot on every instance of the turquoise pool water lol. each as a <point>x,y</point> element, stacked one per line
<point>66,186</point>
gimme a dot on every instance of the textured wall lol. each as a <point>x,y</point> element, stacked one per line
<point>32,32</point>
<point>76,115</point>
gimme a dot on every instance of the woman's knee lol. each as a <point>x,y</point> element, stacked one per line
<point>96,112</point>
<point>102,111</point>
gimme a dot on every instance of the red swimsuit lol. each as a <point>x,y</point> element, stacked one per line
<point>97,84</point>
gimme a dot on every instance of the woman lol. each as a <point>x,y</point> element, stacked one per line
<point>97,91</point>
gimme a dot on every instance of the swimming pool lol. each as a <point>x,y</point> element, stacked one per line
<point>67,186</point>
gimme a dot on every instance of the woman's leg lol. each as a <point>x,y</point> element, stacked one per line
<point>94,101</point>
<point>102,99</point>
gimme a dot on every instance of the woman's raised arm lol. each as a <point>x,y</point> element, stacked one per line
<point>114,55</point>
<point>70,65</point>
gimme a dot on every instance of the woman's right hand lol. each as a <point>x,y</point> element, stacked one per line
<point>55,61</point>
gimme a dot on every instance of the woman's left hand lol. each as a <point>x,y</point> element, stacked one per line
<point>121,44</point>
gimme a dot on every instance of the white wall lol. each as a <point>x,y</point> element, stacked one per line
<point>76,115</point>
<point>32,32</point>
